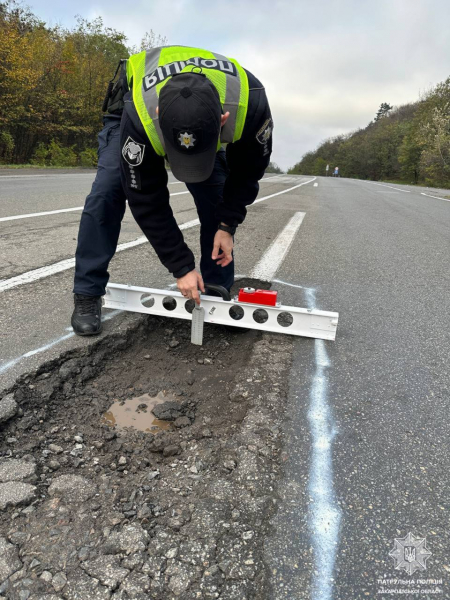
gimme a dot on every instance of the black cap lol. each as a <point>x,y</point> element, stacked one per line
<point>189,117</point>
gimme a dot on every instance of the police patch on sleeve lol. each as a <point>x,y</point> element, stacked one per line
<point>263,135</point>
<point>133,152</point>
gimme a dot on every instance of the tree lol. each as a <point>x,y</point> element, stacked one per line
<point>410,142</point>
<point>435,138</point>
<point>273,168</point>
<point>53,81</point>
<point>383,111</point>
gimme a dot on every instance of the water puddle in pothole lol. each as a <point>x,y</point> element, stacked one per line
<point>137,413</point>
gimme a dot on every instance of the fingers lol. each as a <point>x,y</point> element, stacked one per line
<point>215,252</point>
<point>189,286</point>
<point>225,261</point>
<point>200,283</point>
<point>225,258</point>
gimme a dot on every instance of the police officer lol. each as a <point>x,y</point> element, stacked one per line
<point>180,104</point>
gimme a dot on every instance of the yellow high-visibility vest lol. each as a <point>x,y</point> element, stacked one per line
<point>150,70</point>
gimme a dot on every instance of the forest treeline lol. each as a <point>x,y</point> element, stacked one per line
<point>409,143</point>
<point>52,85</point>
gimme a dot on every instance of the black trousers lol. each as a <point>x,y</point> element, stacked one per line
<point>105,206</point>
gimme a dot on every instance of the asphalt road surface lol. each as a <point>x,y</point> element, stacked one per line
<point>367,452</point>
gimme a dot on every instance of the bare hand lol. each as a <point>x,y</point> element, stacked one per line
<point>223,241</point>
<point>189,285</point>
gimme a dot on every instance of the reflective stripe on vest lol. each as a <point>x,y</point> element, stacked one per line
<point>150,70</point>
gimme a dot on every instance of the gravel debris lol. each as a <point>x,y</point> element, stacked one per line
<point>15,493</point>
<point>8,408</point>
<point>9,559</point>
<point>16,470</point>
<point>107,570</point>
<point>176,513</point>
<point>72,488</point>
<point>131,539</point>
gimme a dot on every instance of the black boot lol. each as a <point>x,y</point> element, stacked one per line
<point>87,315</point>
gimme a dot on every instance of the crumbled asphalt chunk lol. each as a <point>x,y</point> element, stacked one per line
<point>8,408</point>
<point>72,488</point>
<point>107,570</point>
<point>135,583</point>
<point>16,470</point>
<point>59,581</point>
<point>69,368</point>
<point>171,450</point>
<point>167,411</point>
<point>55,448</point>
<point>9,559</point>
<point>179,513</point>
<point>180,576</point>
<point>131,539</point>
<point>82,587</point>
<point>18,537</point>
<point>15,493</point>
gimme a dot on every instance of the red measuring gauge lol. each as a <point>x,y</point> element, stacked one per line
<point>265,297</point>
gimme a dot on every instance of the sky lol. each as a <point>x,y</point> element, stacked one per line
<point>326,65</point>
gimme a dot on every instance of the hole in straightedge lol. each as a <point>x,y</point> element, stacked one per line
<point>147,300</point>
<point>189,305</point>
<point>236,313</point>
<point>169,303</point>
<point>260,315</point>
<point>285,319</point>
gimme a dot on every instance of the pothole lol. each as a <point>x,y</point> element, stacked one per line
<point>139,445</point>
<point>136,413</point>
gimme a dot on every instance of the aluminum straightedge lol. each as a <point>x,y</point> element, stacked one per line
<point>295,321</point>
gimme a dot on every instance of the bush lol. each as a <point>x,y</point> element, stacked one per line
<point>88,158</point>
<point>54,155</point>
<point>6,146</point>
<point>40,154</point>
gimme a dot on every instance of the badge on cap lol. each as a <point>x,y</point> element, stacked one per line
<point>187,139</point>
<point>133,152</point>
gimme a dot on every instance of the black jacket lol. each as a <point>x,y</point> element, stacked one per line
<point>146,184</point>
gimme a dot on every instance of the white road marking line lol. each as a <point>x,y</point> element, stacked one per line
<point>316,185</point>
<point>301,287</point>
<point>45,347</point>
<point>276,253</point>
<point>48,175</point>
<point>324,514</point>
<point>388,186</point>
<point>267,178</point>
<point>68,263</point>
<point>75,208</point>
<point>41,214</point>
<point>437,197</point>
<point>282,192</point>
<point>66,210</point>
<point>61,210</point>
